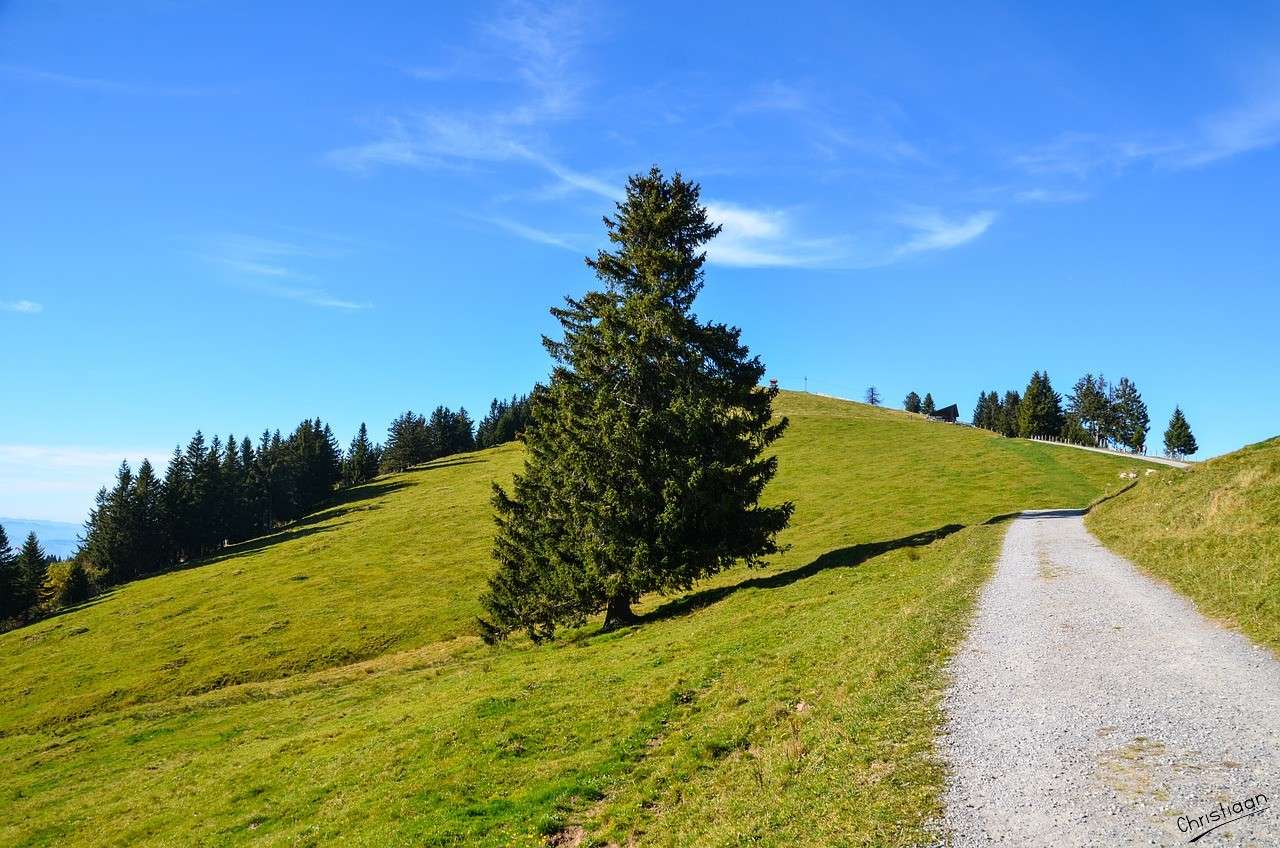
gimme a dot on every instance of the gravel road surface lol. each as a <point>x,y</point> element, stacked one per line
<point>1091,705</point>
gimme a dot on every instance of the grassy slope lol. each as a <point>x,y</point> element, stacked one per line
<point>326,682</point>
<point>1213,532</point>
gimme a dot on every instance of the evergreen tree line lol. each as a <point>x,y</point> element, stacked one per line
<point>216,493</point>
<point>1095,413</point>
<point>506,419</point>
<point>24,580</point>
<point>212,494</point>
<point>912,403</point>
<point>413,439</point>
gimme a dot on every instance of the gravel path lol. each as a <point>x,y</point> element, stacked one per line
<point>1091,705</point>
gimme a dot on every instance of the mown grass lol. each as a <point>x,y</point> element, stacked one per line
<point>326,684</point>
<point>1212,532</point>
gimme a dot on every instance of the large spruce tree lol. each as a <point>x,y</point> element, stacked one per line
<point>912,402</point>
<point>646,451</point>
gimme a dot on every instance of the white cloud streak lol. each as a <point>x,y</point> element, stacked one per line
<point>1252,126</point>
<point>1255,126</point>
<point>260,265</point>
<point>538,44</point>
<point>59,481</point>
<point>933,231</point>
<point>539,236</point>
<point>764,238</point>
<point>26,307</point>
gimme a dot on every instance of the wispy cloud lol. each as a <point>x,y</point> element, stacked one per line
<point>1050,195</point>
<point>1081,155</point>
<point>765,238</point>
<point>1250,126</point>
<point>577,244</point>
<point>59,481</point>
<point>1254,126</point>
<point>542,41</point>
<point>107,86</point>
<point>310,296</point>
<point>28,307</point>
<point>538,45</point>
<point>933,231</point>
<point>268,266</point>
<point>827,125</point>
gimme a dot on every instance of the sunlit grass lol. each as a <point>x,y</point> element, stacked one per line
<point>327,683</point>
<point>1212,532</point>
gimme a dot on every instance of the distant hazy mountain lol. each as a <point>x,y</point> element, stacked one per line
<point>56,537</point>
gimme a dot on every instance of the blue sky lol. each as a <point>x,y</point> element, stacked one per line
<point>224,216</point>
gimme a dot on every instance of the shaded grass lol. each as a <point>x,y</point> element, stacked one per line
<point>232,702</point>
<point>1212,531</point>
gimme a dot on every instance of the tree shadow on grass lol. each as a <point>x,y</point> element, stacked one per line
<point>847,557</point>
<point>342,503</point>
<point>61,611</point>
<point>447,463</point>
<point>288,534</point>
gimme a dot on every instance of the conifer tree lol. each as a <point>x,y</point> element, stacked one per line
<point>152,548</point>
<point>994,409</point>
<point>462,439</point>
<point>32,564</point>
<point>1089,407</point>
<point>980,409</point>
<point>361,463</point>
<point>504,422</point>
<point>1040,412</point>
<point>256,494</point>
<point>198,509</point>
<point>645,454</point>
<point>110,540</point>
<point>214,518</point>
<point>407,443</point>
<point>927,406</point>
<point>231,477</point>
<point>12,590</point>
<point>912,402</point>
<point>1075,431</point>
<point>873,396</point>
<point>1129,412</point>
<point>987,413</point>
<point>1178,439</point>
<point>1007,424</point>
<point>177,506</point>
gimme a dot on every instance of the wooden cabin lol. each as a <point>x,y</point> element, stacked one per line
<point>950,414</point>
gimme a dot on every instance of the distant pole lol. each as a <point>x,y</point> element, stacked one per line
<point>806,385</point>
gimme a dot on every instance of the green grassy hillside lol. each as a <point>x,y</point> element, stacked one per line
<point>1213,532</point>
<point>326,682</point>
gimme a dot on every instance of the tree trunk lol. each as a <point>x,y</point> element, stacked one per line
<point>618,613</point>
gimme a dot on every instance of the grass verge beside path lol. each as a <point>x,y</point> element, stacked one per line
<point>1212,532</point>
